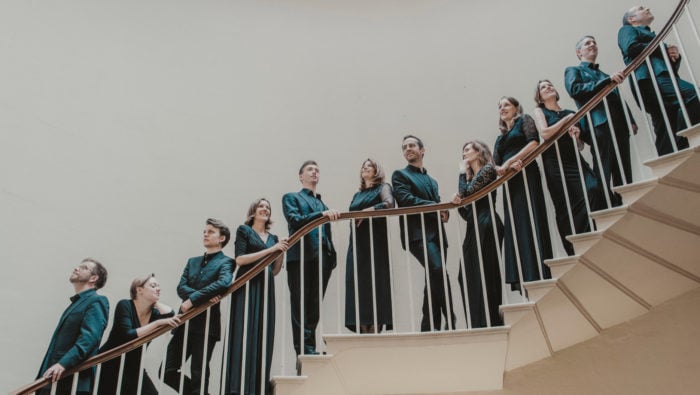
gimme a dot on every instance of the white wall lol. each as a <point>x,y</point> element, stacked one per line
<point>123,125</point>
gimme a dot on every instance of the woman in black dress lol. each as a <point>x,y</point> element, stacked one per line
<point>518,138</point>
<point>374,194</point>
<point>253,305</point>
<point>482,237</point>
<point>133,318</point>
<point>549,117</point>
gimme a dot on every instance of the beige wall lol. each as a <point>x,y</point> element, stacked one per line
<point>123,125</point>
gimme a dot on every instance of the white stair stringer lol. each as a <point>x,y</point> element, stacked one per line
<point>413,363</point>
<point>644,253</point>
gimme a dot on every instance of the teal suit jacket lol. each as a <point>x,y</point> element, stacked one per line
<point>77,337</point>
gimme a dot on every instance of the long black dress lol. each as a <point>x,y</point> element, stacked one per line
<point>507,146</point>
<point>126,321</point>
<point>379,197</point>
<point>490,245</point>
<point>572,177</point>
<point>244,372</point>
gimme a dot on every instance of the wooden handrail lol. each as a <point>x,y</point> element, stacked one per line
<point>259,267</point>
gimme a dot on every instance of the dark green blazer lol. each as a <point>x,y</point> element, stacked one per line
<point>77,337</point>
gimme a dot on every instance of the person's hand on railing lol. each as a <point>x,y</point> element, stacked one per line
<point>618,77</point>
<point>171,322</point>
<point>282,245</point>
<point>457,198</point>
<point>54,372</point>
<point>332,214</point>
<point>186,306</point>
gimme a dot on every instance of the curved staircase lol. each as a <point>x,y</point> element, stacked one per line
<point>643,254</point>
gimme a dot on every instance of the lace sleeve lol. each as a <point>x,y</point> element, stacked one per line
<point>485,176</point>
<point>530,129</point>
<point>387,197</point>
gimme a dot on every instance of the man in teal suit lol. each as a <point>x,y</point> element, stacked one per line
<point>583,82</point>
<point>79,331</point>
<point>632,38</point>
<point>204,278</point>
<point>299,209</point>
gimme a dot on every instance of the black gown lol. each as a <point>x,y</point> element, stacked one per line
<point>126,321</point>
<point>248,241</point>
<point>507,146</point>
<point>379,197</point>
<point>572,177</point>
<point>490,244</point>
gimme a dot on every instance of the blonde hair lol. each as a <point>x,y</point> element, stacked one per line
<point>139,282</point>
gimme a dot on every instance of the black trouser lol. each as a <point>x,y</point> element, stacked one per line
<point>437,285</point>
<point>195,351</point>
<point>673,110</point>
<point>311,300</point>
<point>612,174</point>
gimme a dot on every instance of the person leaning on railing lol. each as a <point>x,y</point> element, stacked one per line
<point>583,82</point>
<point>632,38</point>
<point>133,318</point>
<point>371,252</point>
<point>253,306</point>
<point>480,240</point>
<point>517,139</point>
<point>299,209</point>
<point>204,279</point>
<point>561,166</point>
<point>79,331</point>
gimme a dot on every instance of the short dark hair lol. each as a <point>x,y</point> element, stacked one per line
<point>308,162</point>
<point>410,136</point>
<point>223,229</point>
<point>250,217</point>
<point>98,270</point>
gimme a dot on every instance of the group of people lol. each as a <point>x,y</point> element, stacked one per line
<point>521,239</point>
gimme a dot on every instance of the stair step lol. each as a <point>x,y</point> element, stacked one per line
<point>632,192</point>
<point>313,363</point>
<point>692,134</point>
<point>287,385</point>
<point>606,218</point>
<point>582,242</point>
<point>559,266</point>
<point>537,289</point>
<point>392,363</point>
<point>667,163</point>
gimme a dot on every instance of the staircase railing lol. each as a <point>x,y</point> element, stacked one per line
<point>391,212</point>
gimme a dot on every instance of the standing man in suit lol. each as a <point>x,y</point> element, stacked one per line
<point>299,209</point>
<point>585,81</point>
<point>204,279</point>
<point>79,331</point>
<point>414,187</point>
<point>632,38</point>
